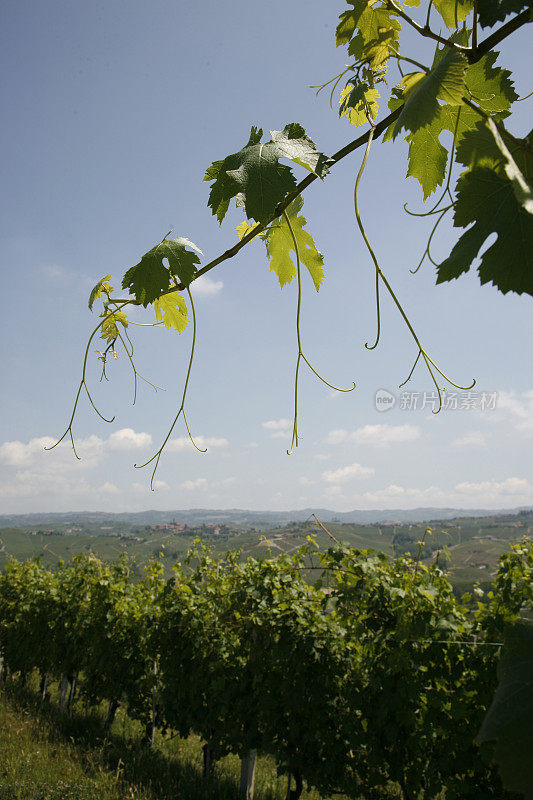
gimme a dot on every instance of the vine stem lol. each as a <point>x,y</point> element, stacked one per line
<point>136,373</point>
<point>181,411</point>
<point>424,30</point>
<point>295,437</point>
<point>473,56</point>
<point>380,275</point>
<point>83,385</point>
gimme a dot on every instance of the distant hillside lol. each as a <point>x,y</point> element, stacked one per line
<point>242,518</point>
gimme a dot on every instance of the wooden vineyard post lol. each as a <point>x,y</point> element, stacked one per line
<point>63,692</point>
<point>246,790</point>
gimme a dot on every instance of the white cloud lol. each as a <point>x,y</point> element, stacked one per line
<point>518,406</point>
<point>108,488</point>
<point>344,474</point>
<point>184,443</point>
<point>33,453</point>
<point>494,489</point>
<point>375,435</point>
<point>322,456</point>
<point>391,492</point>
<point>277,425</point>
<point>337,436</point>
<point>474,439</point>
<point>17,454</point>
<point>127,439</point>
<point>199,483</point>
<point>206,287</point>
<point>395,496</point>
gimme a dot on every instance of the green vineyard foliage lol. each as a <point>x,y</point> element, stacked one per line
<point>350,668</point>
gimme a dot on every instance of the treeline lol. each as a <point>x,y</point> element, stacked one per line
<point>374,674</point>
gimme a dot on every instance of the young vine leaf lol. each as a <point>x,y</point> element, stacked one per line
<point>279,244</point>
<point>427,156</point>
<point>509,720</point>
<point>369,29</point>
<point>97,291</point>
<point>171,310</point>
<point>148,279</point>
<point>110,330</point>
<point>356,102</point>
<point>453,12</point>
<point>445,82</point>
<point>254,176</point>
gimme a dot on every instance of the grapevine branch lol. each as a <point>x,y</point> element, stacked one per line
<point>301,355</point>
<point>83,385</point>
<point>380,275</point>
<point>473,54</point>
<point>181,411</point>
<point>484,47</point>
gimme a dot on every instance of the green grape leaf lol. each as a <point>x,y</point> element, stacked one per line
<point>492,11</point>
<point>245,228</point>
<point>293,143</point>
<point>427,157</point>
<point>509,719</point>
<point>279,244</point>
<point>378,52</point>
<point>445,82</point>
<point>453,12</point>
<point>522,187</point>
<point>491,88</point>
<point>355,100</point>
<point>150,277</point>
<point>372,28</point>
<point>109,330</point>
<point>477,148</point>
<point>488,200</point>
<point>96,292</point>
<point>171,309</point>
<point>487,146</point>
<point>458,119</point>
<point>253,176</point>
<point>345,28</point>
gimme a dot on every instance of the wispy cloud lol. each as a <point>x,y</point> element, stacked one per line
<point>279,428</point>
<point>493,489</point>
<point>375,435</point>
<point>348,473</point>
<point>206,287</point>
<point>199,483</point>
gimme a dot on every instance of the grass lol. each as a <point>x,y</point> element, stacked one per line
<point>46,756</point>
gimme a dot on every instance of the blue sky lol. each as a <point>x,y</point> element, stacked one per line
<point>112,112</point>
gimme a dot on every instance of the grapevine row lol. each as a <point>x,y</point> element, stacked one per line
<point>353,670</point>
